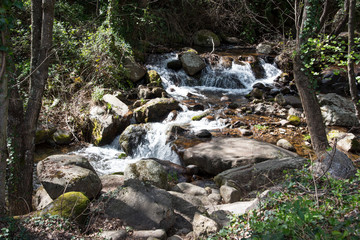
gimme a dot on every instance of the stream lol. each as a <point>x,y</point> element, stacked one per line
<point>206,89</point>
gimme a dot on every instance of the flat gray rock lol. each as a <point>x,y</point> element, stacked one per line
<point>220,154</point>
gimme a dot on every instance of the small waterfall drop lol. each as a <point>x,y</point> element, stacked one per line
<point>213,81</point>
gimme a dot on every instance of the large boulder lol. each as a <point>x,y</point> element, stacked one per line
<point>337,110</point>
<point>155,110</point>
<point>221,154</point>
<point>106,126</point>
<point>192,63</point>
<point>336,163</point>
<point>132,137</point>
<point>70,205</point>
<point>206,38</point>
<point>66,173</point>
<point>142,206</point>
<point>255,176</point>
<point>149,171</point>
<point>135,70</point>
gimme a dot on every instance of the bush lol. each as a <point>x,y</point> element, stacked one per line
<point>328,209</point>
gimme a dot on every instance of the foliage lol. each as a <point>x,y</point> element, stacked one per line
<point>261,127</point>
<point>324,51</point>
<point>305,208</point>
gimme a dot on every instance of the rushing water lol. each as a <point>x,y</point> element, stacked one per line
<point>237,80</point>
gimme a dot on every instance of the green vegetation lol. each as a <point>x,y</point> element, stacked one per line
<point>305,208</point>
<point>261,127</point>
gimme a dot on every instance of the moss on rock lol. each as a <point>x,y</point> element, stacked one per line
<point>294,120</point>
<point>71,205</point>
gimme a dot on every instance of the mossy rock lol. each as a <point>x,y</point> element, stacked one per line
<point>71,205</point>
<point>42,135</point>
<point>154,78</point>
<point>205,38</point>
<point>62,137</point>
<point>199,117</point>
<point>294,120</point>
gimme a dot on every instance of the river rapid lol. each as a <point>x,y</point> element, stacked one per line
<point>206,89</point>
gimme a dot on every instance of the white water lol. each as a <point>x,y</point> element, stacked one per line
<point>237,80</point>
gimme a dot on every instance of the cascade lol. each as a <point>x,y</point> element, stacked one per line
<point>213,81</point>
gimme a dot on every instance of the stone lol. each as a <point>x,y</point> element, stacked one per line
<point>66,173</point>
<point>175,237</point>
<point>229,194</point>
<point>337,164</point>
<point>136,71</point>
<point>255,176</point>
<point>155,110</point>
<point>111,182</point>
<point>296,112</point>
<point>120,108</point>
<point>150,92</point>
<point>257,93</point>
<point>71,205</point>
<point>283,143</point>
<point>333,83</point>
<point>114,235</point>
<point>204,226</point>
<point>148,171</point>
<point>131,137</point>
<point>293,101</point>
<point>337,110</point>
<point>245,132</point>
<point>206,38</point>
<point>192,63</point>
<point>347,142</point>
<point>264,48</point>
<point>105,127</point>
<point>158,234</point>
<point>220,154</point>
<point>41,198</point>
<point>142,206</point>
<point>294,120</point>
<point>190,189</point>
<point>185,206</point>
<point>174,64</point>
<point>154,78</point>
<point>258,69</point>
<point>203,133</point>
<point>62,137</point>
<point>44,133</point>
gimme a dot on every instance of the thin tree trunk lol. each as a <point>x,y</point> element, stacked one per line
<point>307,94</point>
<point>311,108</point>
<point>23,132</point>
<point>3,125</point>
<point>351,64</point>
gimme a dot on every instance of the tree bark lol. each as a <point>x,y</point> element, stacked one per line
<point>307,94</point>
<point>351,64</point>
<point>22,133</point>
<point>3,125</point>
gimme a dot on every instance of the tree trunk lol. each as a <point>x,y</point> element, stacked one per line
<point>23,132</point>
<point>3,125</point>
<point>350,65</point>
<point>311,108</point>
<point>307,94</point>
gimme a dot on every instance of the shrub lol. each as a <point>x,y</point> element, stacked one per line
<point>306,208</point>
